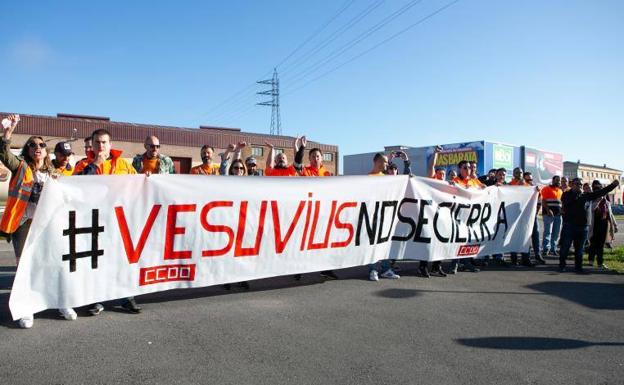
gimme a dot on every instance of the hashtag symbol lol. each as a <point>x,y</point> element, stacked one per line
<point>72,231</point>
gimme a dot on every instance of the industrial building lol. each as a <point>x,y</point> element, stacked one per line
<point>488,155</point>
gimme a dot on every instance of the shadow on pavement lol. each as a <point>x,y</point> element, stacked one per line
<point>594,295</point>
<point>530,343</point>
<point>398,293</point>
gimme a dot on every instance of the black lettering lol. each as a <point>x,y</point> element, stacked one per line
<point>384,205</point>
<point>406,220</point>
<point>370,230</point>
<point>501,218</point>
<point>483,223</point>
<point>435,221</point>
<point>422,221</point>
<point>460,207</point>
<point>473,218</point>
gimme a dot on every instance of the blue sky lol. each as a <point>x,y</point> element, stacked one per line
<point>547,74</point>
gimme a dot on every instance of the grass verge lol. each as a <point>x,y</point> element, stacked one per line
<point>614,258</point>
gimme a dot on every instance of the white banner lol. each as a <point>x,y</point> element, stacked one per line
<point>98,238</point>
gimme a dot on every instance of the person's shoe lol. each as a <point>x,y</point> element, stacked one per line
<point>244,285</point>
<point>373,276</point>
<point>527,263</point>
<point>424,271</point>
<point>540,260</point>
<point>297,277</point>
<point>96,309</point>
<point>453,270</point>
<point>603,267</point>
<point>328,274</point>
<point>26,322</point>
<point>390,274</point>
<point>440,272</point>
<point>470,267</point>
<point>69,314</point>
<point>131,305</point>
<point>544,254</point>
<point>553,253</point>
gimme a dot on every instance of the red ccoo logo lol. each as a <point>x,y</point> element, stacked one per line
<point>166,273</point>
<point>467,250</point>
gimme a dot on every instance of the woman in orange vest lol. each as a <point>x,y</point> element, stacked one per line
<point>29,173</point>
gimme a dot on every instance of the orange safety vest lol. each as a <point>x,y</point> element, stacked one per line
<point>20,188</point>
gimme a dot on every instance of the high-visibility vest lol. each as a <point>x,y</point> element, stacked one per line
<point>20,188</point>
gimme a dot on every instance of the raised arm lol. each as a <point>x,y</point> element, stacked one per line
<point>6,156</point>
<point>407,170</point>
<point>270,161</point>
<point>434,160</point>
<point>299,147</point>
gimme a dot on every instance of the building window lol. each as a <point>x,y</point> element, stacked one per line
<point>257,151</point>
<point>328,157</point>
<point>279,151</point>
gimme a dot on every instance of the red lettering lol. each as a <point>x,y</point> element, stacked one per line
<point>217,228</point>
<point>311,244</point>
<point>171,231</point>
<point>307,224</point>
<point>134,254</point>
<point>280,244</point>
<point>341,225</point>
<point>239,250</point>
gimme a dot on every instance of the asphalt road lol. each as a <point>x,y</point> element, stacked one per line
<point>506,326</point>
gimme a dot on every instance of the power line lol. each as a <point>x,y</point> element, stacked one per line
<point>344,7</point>
<point>236,97</point>
<point>336,34</point>
<point>344,48</point>
<point>420,21</point>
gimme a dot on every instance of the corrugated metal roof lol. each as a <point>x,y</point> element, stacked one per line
<point>133,132</point>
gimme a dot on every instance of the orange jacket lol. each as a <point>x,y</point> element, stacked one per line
<point>288,171</point>
<point>116,165</point>
<point>468,183</point>
<point>20,188</point>
<point>312,171</point>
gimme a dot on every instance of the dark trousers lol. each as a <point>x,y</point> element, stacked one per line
<point>435,266</point>
<point>535,237</point>
<point>597,240</point>
<point>573,234</point>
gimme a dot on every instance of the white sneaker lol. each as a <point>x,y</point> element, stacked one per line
<point>26,322</point>
<point>603,267</point>
<point>390,274</point>
<point>373,276</point>
<point>68,313</point>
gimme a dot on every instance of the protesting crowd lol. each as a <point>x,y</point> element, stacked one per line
<point>575,215</point>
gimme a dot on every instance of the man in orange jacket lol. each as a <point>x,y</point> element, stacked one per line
<point>104,160</point>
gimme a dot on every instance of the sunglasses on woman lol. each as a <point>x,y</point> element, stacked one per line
<point>37,145</point>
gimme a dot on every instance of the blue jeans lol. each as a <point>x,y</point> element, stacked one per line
<point>385,266</point>
<point>552,225</point>
<point>577,235</point>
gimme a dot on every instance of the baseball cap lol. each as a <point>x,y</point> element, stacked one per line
<point>251,160</point>
<point>63,148</point>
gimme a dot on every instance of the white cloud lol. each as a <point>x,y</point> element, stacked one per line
<point>31,53</point>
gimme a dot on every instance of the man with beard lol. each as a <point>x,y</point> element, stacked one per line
<point>207,167</point>
<point>152,161</point>
<point>277,165</point>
